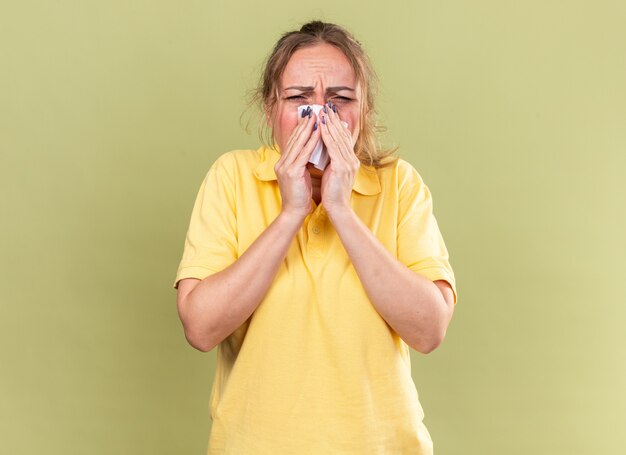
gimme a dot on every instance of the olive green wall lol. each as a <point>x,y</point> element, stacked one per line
<point>111,113</point>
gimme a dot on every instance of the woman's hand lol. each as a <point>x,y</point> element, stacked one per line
<point>340,173</point>
<point>294,179</point>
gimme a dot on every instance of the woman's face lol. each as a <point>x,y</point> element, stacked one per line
<point>315,75</point>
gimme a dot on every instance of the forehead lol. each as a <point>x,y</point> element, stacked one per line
<point>320,63</point>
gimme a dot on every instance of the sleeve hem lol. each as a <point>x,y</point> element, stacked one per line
<point>439,273</point>
<point>197,272</point>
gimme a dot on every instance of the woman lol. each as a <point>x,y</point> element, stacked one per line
<point>314,282</point>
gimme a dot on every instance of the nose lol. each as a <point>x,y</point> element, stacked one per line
<point>318,96</point>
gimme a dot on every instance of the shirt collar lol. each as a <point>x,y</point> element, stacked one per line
<point>366,181</point>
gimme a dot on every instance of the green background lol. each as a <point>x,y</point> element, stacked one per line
<point>111,113</point>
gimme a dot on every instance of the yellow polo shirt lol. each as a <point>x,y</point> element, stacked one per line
<point>315,369</point>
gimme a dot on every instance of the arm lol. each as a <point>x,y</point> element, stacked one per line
<point>418,309</point>
<point>212,308</point>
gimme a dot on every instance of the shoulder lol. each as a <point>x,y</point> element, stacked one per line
<point>402,173</point>
<point>238,159</point>
<point>236,164</point>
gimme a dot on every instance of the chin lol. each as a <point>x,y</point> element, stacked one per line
<point>315,172</point>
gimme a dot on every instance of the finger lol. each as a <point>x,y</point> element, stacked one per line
<point>298,138</point>
<point>300,141</point>
<point>335,132</point>
<point>344,140</point>
<point>331,145</point>
<point>294,133</point>
<point>336,137</point>
<point>340,134</point>
<point>284,153</point>
<point>307,150</point>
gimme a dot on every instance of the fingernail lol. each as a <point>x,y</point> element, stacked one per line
<point>323,120</point>
<point>314,126</point>
<point>310,112</point>
<point>325,109</point>
<point>303,113</point>
<point>329,103</point>
<point>335,108</point>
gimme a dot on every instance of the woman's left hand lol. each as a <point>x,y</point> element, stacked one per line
<point>339,175</point>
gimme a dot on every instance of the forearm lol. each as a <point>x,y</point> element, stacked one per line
<point>220,303</point>
<point>410,303</point>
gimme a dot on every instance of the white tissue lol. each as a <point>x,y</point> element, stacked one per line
<point>319,157</point>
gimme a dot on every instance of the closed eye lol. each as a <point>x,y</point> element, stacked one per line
<point>343,99</point>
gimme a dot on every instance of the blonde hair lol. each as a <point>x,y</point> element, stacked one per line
<point>367,147</point>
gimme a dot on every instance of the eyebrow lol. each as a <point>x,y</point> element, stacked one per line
<point>305,88</point>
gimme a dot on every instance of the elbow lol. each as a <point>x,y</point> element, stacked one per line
<point>427,344</point>
<point>434,330</point>
<point>199,341</point>
<point>197,336</point>
<point>199,344</point>
<point>426,348</point>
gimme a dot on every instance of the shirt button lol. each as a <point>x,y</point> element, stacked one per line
<point>316,230</point>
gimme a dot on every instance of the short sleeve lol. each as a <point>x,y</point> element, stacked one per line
<point>420,244</point>
<point>211,241</point>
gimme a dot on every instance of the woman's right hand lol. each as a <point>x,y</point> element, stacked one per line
<point>213,308</point>
<point>294,180</point>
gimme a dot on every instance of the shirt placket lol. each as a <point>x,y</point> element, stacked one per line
<point>317,228</point>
